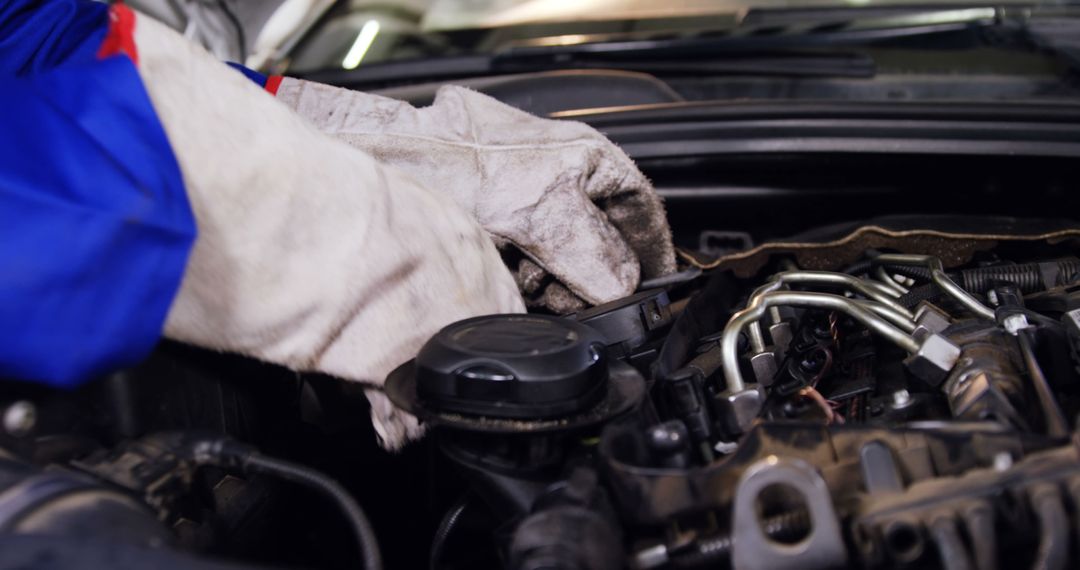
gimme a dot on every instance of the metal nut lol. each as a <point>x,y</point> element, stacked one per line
<point>934,359</point>
<point>781,335</point>
<point>738,410</point>
<point>764,366</point>
<point>929,320</point>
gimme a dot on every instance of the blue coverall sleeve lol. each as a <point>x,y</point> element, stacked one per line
<point>95,227</point>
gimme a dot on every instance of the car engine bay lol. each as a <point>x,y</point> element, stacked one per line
<point>913,405</point>
<point>868,356</point>
<point>896,392</point>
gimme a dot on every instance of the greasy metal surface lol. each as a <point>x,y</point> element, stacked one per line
<point>923,503</point>
<point>650,495</point>
<point>823,546</point>
<point>953,248</point>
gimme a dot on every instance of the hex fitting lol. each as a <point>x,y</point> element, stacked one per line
<point>738,409</point>
<point>934,359</point>
<point>929,319</point>
<point>765,367</point>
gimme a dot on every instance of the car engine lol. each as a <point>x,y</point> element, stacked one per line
<point>887,394</point>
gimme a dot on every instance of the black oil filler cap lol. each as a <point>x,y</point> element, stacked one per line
<point>513,366</point>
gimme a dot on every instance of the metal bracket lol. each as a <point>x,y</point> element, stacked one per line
<point>822,547</point>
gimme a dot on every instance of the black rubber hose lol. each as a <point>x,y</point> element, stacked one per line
<point>859,267</point>
<point>1027,276</point>
<point>981,279</point>
<point>912,271</point>
<point>446,526</point>
<point>230,454</point>
<point>929,292</point>
<point>365,534</point>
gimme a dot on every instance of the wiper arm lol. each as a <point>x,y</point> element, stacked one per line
<point>743,52</point>
<point>776,63</point>
<point>790,63</point>
<point>742,41</point>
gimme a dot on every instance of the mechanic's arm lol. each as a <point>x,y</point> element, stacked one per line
<point>309,253</point>
<point>95,228</point>
<point>558,191</point>
<point>312,255</point>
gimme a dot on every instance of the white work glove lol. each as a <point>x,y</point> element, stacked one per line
<point>558,191</point>
<point>309,254</point>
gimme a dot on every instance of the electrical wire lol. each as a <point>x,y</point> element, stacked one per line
<point>446,526</point>
<point>230,454</point>
<point>729,339</point>
<point>814,396</point>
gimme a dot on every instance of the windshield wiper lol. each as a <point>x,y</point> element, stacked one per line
<point>803,53</point>
<point>773,63</point>
<point>739,40</point>
<point>787,63</point>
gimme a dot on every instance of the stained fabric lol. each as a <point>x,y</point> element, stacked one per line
<point>559,192</point>
<point>95,227</point>
<point>311,254</point>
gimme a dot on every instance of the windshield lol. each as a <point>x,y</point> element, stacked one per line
<point>353,34</point>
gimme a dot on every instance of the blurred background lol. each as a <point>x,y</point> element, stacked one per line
<point>304,36</point>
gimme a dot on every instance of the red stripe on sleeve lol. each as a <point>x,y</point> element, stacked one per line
<point>121,35</point>
<point>272,84</point>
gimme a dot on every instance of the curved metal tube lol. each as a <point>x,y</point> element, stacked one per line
<point>875,291</point>
<point>757,339</point>
<point>884,288</point>
<point>869,289</point>
<point>889,282</point>
<point>903,323</point>
<point>729,341</point>
<point>937,274</point>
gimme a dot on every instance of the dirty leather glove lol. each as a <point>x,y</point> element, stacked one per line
<point>309,253</point>
<point>558,191</point>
